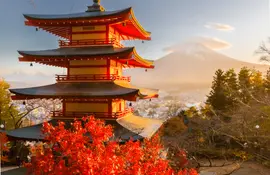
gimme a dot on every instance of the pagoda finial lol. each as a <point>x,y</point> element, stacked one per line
<point>95,7</point>
<point>96,1</point>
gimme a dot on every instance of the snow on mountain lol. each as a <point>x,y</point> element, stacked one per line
<point>187,71</point>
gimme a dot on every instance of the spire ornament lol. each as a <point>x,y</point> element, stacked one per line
<point>96,7</point>
<point>96,1</point>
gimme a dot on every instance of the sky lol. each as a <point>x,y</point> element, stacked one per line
<point>233,27</point>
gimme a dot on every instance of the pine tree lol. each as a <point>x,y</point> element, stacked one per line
<point>245,86</point>
<point>217,97</point>
<point>257,83</point>
<point>231,88</point>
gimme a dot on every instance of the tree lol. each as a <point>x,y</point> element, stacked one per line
<point>12,113</point>
<point>4,147</point>
<point>244,79</point>
<point>217,98</point>
<point>266,81</point>
<point>35,109</point>
<point>232,88</point>
<point>264,52</point>
<point>6,109</point>
<point>71,151</point>
<point>257,82</point>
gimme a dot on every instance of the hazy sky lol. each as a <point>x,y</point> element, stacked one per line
<point>235,26</point>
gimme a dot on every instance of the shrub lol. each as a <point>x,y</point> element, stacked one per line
<point>71,151</point>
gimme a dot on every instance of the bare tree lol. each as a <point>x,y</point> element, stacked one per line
<point>27,108</point>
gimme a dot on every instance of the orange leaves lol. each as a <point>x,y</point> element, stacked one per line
<point>4,146</point>
<point>3,142</point>
<point>73,151</point>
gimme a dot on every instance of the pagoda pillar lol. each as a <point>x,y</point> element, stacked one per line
<point>108,68</point>
<point>110,106</point>
<point>64,106</point>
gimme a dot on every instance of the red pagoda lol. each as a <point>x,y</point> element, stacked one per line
<point>91,51</point>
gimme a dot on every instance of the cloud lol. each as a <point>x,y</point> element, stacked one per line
<point>219,26</point>
<point>200,42</point>
<point>212,43</point>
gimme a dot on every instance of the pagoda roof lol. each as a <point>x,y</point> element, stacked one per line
<point>76,89</point>
<point>81,90</point>
<point>34,132</point>
<point>84,15</point>
<point>125,128</point>
<point>59,24</point>
<point>78,51</point>
<point>61,56</point>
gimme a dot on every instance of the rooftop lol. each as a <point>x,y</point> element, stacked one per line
<point>60,56</point>
<point>77,89</point>
<point>77,15</point>
<point>59,24</point>
<point>124,128</point>
<point>83,90</point>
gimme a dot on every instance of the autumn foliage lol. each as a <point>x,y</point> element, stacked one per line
<point>4,146</point>
<point>72,151</point>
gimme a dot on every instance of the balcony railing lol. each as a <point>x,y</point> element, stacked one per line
<point>91,77</point>
<point>60,114</point>
<point>89,42</point>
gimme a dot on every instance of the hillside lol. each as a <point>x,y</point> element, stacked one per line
<point>190,67</point>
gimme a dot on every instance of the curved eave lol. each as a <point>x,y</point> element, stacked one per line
<point>148,93</point>
<point>22,96</point>
<point>60,57</point>
<point>139,26</point>
<point>143,62</point>
<point>133,29</point>
<point>76,90</point>
<point>60,24</point>
<point>82,52</point>
<point>76,16</point>
<point>34,133</point>
<point>144,93</point>
<point>145,127</point>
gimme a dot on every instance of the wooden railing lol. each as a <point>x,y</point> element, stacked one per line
<point>60,114</point>
<point>89,42</point>
<point>91,77</point>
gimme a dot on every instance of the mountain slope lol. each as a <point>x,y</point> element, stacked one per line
<point>191,66</point>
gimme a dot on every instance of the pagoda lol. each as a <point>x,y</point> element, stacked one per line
<point>91,51</point>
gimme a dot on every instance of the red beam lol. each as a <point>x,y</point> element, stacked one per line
<point>64,58</point>
<point>87,100</point>
<point>88,32</point>
<point>62,23</point>
<point>81,66</point>
<point>90,102</point>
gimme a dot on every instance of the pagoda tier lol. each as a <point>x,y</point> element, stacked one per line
<point>121,24</point>
<point>85,90</point>
<point>68,57</point>
<point>104,100</point>
<point>124,129</point>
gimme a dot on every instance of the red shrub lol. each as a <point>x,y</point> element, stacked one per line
<point>70,152</point>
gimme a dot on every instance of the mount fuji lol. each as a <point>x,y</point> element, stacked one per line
<point>188,67</point>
